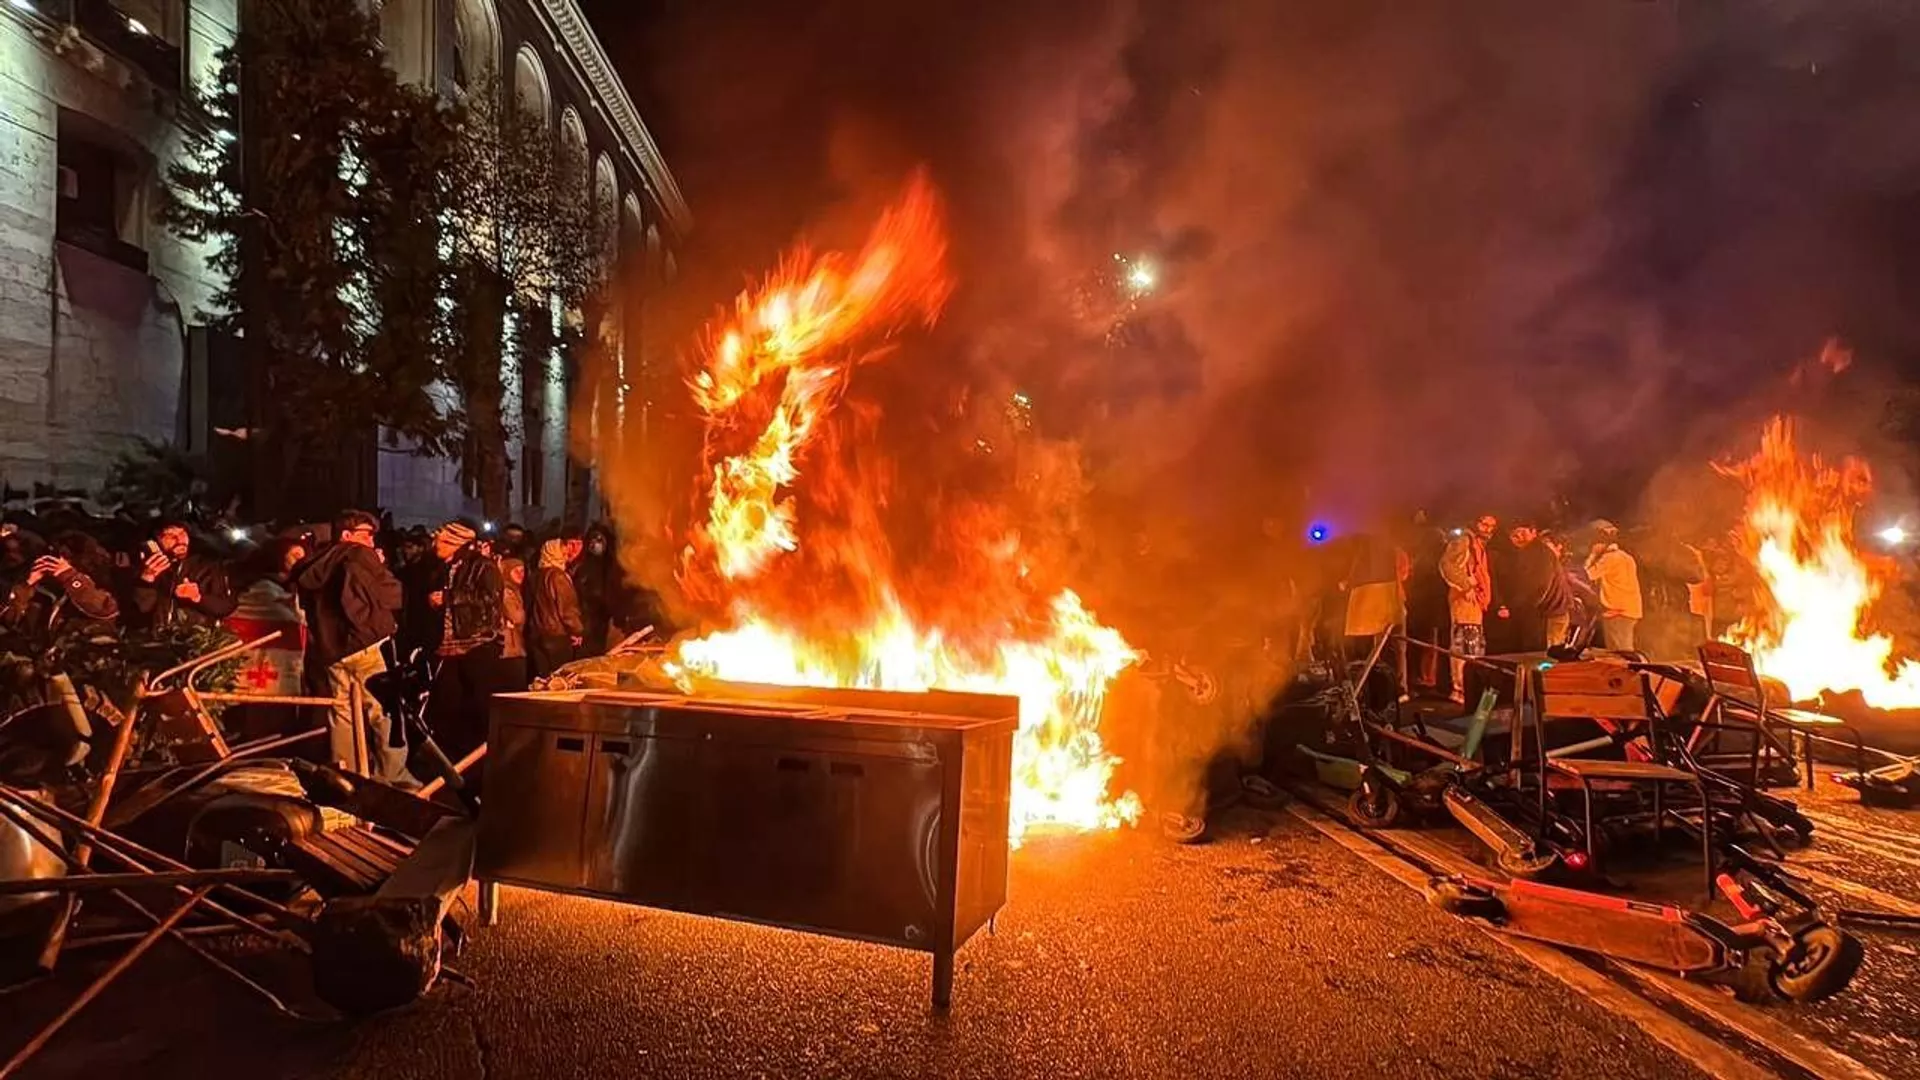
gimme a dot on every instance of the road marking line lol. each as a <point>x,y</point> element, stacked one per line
<point>1887,845</point>
<point>1706,1054</point>
<point>1849,887</point>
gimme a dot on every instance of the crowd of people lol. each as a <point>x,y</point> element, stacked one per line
<point>1456,591</point>
<point>368,596</point>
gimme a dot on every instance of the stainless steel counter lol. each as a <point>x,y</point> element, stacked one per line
<point>862,814</point>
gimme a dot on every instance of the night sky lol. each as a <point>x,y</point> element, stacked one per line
<point>1410,253</point>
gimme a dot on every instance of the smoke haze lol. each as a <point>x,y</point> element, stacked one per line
<point>1405,254</point>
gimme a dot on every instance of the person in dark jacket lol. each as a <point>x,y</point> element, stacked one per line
<point>176,587</point>
<point>596,578</point>
<point>58,592</point>
<point>555,629</point>
<point>1541,603</point>
<point>469,601</point>
<point>352,600</point>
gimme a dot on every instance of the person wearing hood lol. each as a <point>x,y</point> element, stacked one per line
<point>555,629</point>
<point>352,603</point>
<point>513,623</point>
<point>58,590</point>
<point>596,578</point>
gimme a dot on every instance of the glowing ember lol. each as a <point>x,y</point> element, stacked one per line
<point>1810,628</point>
<point>778,368</point>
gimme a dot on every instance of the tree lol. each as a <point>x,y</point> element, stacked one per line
<point>325,220</point>
<point>522,240</point>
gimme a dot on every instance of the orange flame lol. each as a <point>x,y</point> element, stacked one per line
<point>1810,627</point>
<point>806,329</point>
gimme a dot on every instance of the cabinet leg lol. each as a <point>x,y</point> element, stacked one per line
<point>489,903</point>
<point>942,979</point>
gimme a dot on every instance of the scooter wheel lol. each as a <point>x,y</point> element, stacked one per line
<point>1822,963</point>
<point>1456,897</point>
<point>1373,806</point>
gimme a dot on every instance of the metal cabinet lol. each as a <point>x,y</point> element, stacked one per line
<point>862,814</point>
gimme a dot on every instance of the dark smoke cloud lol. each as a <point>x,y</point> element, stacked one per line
<point>1411,253</point>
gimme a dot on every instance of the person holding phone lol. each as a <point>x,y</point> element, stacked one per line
<point>177,587</point>
<point>55,591</point>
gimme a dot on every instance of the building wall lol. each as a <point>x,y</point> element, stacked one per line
<point>91,351</point>
<point>542,51</point>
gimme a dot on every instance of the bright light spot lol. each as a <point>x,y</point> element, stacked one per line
<point>1141,277</point>
<point>224,135</point>
<point>237,534</point>
<point>137,26</point>
<point>1893,536</point>
<point>486,526</point>
<point>1021,399</point>
<point>1318,533</point>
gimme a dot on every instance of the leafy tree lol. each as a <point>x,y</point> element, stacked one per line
<point>330,248</point>
<point>521,234</point>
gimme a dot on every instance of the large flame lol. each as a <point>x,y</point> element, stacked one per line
<point>1810,625</point>
<point>768,386</point>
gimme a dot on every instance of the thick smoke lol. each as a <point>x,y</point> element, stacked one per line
<point>1506,253</point>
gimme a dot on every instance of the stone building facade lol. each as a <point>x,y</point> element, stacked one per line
<point>99,302</point>
<point>544,53</point>
<point>97,299</point>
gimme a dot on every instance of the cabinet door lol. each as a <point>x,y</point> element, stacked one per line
<point>531,818</point>
<point>835,842</point>
<point>643,805</point>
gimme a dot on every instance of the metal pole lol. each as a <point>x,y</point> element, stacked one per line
<point>133,855</point>
<point>83,852</point>
<point>100,984</point>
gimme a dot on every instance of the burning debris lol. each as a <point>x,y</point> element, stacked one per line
<point>1812,624</point>
<point>768,387</point>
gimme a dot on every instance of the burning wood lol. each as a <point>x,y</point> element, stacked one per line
<point>1812,625</point>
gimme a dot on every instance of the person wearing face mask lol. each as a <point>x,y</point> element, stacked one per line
<point>596,577</point>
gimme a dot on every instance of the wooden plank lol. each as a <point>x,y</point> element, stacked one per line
<point>1595,706</point>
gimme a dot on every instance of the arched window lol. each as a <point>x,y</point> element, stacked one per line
<point>530,88</point>
<point>573,143</point>
<point>606,198</point>
<point>633,233</point>
<point>476,42</point>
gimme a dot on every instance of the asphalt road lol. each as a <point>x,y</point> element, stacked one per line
<point>1269,952</point>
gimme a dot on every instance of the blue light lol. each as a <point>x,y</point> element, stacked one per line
<point>1318,533</point>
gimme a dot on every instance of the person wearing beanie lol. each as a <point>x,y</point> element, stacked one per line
<point>470,601</point>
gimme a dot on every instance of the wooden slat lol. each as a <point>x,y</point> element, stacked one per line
<point>1596,706</point>
<point>1588,677</point>
<point>1618,770</point>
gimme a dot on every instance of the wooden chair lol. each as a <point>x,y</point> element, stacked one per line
<point>1735,690</point>
<point>1614,696</point>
